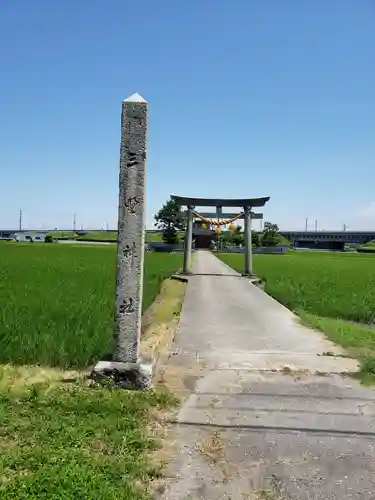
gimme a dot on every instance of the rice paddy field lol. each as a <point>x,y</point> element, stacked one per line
<point>334,292</point>
<point>56,310</point>
<point>57,301</point>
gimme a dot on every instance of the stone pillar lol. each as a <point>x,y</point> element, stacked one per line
<point>125,367</point>
<point>248,243</point>
<point>188,241</point>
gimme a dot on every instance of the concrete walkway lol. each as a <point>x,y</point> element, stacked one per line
<point>266,416</point>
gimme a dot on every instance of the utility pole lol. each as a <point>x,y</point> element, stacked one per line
<point>106,226</point>
<point>20,220</point>
<point>74,222</point>
<point>344,227</point>
<point>306,221</point>
<point>316,225</point>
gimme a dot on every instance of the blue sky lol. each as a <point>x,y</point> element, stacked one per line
<point>246,98</point>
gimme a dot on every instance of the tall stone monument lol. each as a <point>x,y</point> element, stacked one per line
<point>125,367</point>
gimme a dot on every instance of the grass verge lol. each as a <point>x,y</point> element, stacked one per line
<point>357,340</point>
<point>160,320</point>
<point>74,441</point>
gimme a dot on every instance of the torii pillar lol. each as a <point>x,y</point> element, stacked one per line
<point>248,242</point>
<point>188,240</point>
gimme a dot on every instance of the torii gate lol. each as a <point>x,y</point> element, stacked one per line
<point>247,204</point>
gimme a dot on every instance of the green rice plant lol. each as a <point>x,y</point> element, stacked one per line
<point>57,301</point>
<point>325,284</point>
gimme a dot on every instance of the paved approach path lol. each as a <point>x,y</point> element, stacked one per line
<point>267,416</point>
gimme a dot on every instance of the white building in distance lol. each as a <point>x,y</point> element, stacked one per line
<point>30,237</point>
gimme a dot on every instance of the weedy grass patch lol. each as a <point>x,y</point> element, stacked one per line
<point>76,441</point>
<point>57,301</point>
<point>332,292</point>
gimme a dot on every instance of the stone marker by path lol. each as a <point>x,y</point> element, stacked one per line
<point>125,367</point>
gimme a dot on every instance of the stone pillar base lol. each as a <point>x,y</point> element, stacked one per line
<point>125,375</point>
<point>253,278</point>
<point>181,277</point>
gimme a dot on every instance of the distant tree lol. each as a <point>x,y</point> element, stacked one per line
<point>226,237</point>
<point>269,226</point>
<point>238,239</point>
<point>271,235</point>
<point>255,240</point>
<point>170,219</point>
<point>48,238</point>
<point>170,235</point>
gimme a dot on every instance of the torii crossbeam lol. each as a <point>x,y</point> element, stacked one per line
<point>245,203</point>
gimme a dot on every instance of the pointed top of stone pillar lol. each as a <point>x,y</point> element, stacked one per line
<point>135,98</point>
